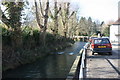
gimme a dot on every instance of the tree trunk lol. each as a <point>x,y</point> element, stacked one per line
<point>56,25</point>
<point>45,16</point>
<point>14,22</point>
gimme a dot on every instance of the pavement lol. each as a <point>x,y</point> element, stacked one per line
<point>103,66</point>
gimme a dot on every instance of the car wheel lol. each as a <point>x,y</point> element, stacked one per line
<point>92,53</point>
<point>110,53</point>
<point>98,53</point>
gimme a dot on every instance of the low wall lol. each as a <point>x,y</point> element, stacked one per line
<point>74,71</point>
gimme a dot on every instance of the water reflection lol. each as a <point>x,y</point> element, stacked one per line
<point>60,52</point>
<point>53,66</point>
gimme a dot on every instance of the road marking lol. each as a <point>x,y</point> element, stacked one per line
<point>99,67</point>
<point>113,66</point>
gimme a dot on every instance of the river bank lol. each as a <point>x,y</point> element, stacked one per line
<point>12,59</point>
<point>15,53</point>
<point>55,66</point>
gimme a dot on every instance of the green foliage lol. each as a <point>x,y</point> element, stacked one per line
<point>36,35</point>
<point>27,31</point>
<point>50,38</point>
<point>87,26</point>
<point>27,38</point>
<point>84,34</point>
<point>11,17</point>
<point>14,12</point>
<point>106,31</point>
<point>32,38</point>
<point>6,36</point>
<point>5,32</point>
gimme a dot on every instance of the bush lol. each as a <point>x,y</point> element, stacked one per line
<point>50,39</point>
<point>31,49</point>
<point>36,35</point>
<point>31,38</point>
<point>6,36</point>
<point>27,38</point>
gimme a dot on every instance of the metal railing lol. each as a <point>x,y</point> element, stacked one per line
<point>82,63</point>
<point>74,71</point>
<point>77,70</point>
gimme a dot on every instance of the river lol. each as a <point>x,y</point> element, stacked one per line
<point>56,65</point>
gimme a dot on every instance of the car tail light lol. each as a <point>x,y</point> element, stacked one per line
<point>94,45</point>
<point>109,45</point>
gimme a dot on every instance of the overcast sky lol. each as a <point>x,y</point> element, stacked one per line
<point>103,10</point>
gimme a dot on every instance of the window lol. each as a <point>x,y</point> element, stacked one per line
<point>101,41</point>
<point>105,41</point>
<point>97,41</point>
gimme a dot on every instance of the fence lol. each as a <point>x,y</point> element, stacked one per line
<point>77,70</point>
<point>82,63</point>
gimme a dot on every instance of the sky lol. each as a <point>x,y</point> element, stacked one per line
<point>98,10</point>
<point>102,10</point>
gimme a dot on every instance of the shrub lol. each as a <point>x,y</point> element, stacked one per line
<point>6,36</point>
<point>36,35</point>
<point>50,39</point>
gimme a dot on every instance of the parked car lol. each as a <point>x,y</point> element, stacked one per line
<point>90,40</point>
<point>101,45</point>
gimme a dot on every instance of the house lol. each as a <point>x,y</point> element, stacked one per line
<point>115,32</point>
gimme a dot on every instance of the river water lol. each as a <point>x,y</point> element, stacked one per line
<point>56,65</point>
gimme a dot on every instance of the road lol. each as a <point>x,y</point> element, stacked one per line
<point>103,66</point>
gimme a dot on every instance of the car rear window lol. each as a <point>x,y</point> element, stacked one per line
<point>101,41</point>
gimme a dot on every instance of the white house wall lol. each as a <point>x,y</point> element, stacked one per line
<point>119,33</point>
<point>113,32</point>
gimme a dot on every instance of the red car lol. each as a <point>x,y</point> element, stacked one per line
<point>91,38</point>
<point>101,45</point>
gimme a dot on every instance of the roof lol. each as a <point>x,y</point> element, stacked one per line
<point>117,22</point>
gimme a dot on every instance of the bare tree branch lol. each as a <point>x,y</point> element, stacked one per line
<point>41,9</point>
<point>5,20</point>
<point>51,15</point>
<point>71,15</point>
<point>59,10</point>
<point>45,20</point>
<point>37,15</point>
<point>46,14</point>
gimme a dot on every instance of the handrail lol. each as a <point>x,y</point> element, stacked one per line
<point>79,64</point>
<point>82,64</point>
<point>73,71</point>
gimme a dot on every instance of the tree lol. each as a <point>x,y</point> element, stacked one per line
<point>89,26</point>
<point>106,31</point>
<point>12,18</point>
<point>44,15</point>
<point>82,26</point>
<point>94,29</point>
<point>54,17</point>
<point>73,25</point>
<point>65,14</point>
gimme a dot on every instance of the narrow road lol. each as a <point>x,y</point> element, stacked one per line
<point>103,66</point>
